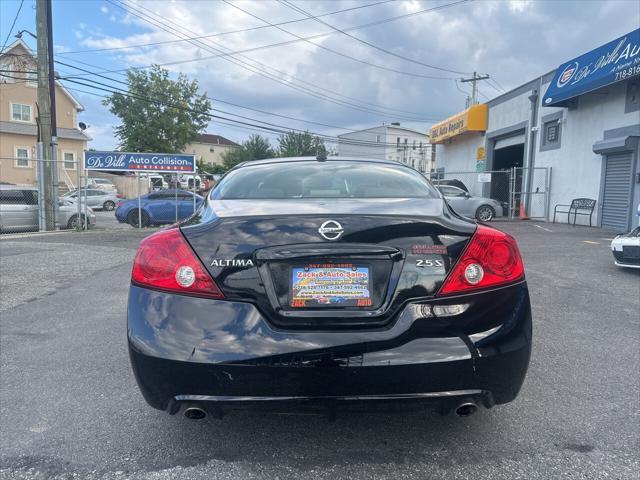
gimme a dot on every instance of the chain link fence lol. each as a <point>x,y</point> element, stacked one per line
<point>85,200</point>
<point>81,200</point>
<point>520,192</point>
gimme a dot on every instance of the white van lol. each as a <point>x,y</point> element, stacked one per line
<point>156,181</point>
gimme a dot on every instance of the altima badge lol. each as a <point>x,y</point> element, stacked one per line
<point>331,230</point>
<point>226,262</point>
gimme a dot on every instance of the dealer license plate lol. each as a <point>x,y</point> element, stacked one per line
<point>330,285</point>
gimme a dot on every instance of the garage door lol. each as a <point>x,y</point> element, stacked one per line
<point>617,192</point>
<point>509,141</point>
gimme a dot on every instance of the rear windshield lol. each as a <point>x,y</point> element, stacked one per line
<point>332,179</point>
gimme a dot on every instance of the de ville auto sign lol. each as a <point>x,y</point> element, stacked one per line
<point>616,61</point>
<point>139,162</point>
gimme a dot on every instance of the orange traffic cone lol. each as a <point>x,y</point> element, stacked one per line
<point>523,212</point>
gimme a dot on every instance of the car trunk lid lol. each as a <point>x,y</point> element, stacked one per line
<point>402,249</point>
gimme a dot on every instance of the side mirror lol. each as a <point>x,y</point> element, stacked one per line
<point>467,195</point>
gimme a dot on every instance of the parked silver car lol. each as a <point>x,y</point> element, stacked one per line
<point>465,204</point>
<point>96,199</point>
<point>101,184</point>
<point>19,211</point>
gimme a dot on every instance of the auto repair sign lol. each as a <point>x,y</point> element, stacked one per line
<point>139,162</point>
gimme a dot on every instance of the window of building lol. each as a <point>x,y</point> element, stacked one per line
<point>420,145</point>
<point>22,157</point>
<point>20,112</point>
<point>551,132</point>
<point>69,160</point>
<point>32,79</point>
<point>398,142</point>
<point>377,138</point>
<point>406,142</point>
<point>5,72</point>
<point>413,147</point>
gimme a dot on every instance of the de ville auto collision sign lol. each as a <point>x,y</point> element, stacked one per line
<point>139,162</point>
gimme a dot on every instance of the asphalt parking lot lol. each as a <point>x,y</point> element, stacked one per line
<point>69,406</point>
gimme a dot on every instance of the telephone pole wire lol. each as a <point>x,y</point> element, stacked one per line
<point>46,112</point>
<point>474,85</point>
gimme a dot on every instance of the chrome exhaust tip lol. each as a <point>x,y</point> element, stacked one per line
<point>195,413</point>
<point>466,409</point>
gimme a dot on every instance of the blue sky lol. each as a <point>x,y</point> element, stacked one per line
<point>513,41</point>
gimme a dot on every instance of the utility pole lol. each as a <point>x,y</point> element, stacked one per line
<point>474,80</point>
<point>46,112</point>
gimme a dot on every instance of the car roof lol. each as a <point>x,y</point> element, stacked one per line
<point>317,159</point>
<point>171,190</point>
<point>18,187</point>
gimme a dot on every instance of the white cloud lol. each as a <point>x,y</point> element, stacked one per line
<point>512,41</point>
<point>104,9</point>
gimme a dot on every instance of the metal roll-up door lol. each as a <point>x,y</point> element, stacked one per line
<point>509,141</point>
<point>617,191</point>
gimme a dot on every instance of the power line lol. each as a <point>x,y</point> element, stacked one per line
<point>13,24</point>
<point>278,44</point>
<point>296,87</point>
<point>493,80</point>
<point>365,42</point>
<point>244,64</point>
<point>218,121</point>
<point>211,35</point>
<point>229,103</point>
<point>344,55</point>
<point>280,80</point>
<point>2,73</point>
<point>270,127</point>
<point>264,68</point>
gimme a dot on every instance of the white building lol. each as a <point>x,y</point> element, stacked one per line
<point>390,142</point>
<point>573,131</point>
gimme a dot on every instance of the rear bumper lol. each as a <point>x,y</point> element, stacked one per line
<point>222,354</point>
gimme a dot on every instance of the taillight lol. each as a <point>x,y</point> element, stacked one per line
<point>490,259</point>
<point>118,195</point>
<point>165,261</point>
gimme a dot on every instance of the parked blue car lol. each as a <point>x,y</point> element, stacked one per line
<point>158,208</point>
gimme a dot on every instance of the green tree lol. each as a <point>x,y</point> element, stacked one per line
<point>213,169</point>
<point>300,144</point>
<point>158,114</point>
<point>254,148</point>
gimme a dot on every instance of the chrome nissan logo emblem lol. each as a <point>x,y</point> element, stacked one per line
<point>331,230</point>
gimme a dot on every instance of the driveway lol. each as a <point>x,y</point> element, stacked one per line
<point>69,406</point>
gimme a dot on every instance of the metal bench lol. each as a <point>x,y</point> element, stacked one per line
<point>579,206</point>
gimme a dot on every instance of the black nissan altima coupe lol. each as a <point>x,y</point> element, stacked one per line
<point>327,285</point>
